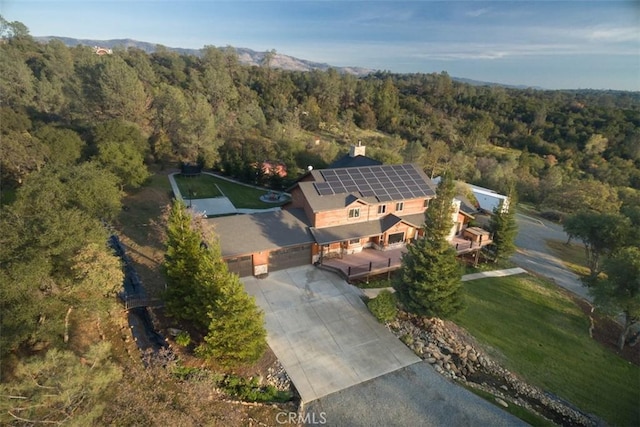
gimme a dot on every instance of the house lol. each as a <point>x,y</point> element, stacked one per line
<point>272,168</point>
<point>339,213</point>
<point>333,212</point>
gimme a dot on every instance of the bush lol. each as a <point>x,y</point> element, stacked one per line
<point>384,306</point>
<point>250,390</point>
<point>183,339</point>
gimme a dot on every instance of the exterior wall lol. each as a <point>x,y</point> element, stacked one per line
<point>260,262</point>
<point>367,212</point>
<point>297,198</point>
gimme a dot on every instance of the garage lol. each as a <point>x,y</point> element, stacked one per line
<point>292,256</point>
<point>396,238</point>
<point>242,266</point>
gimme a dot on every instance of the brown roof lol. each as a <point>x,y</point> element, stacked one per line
<point>246,234</point>
<point>338,196</point>
<point>326,235</point>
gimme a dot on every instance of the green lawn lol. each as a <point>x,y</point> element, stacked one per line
<point>538,333</point>
<point>208,186</point>
<point>197,187</point>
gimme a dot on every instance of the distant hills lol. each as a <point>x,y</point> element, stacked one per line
<point>248,57</point>
<point>245,56</point>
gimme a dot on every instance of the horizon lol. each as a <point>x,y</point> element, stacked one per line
<point>550,45</point>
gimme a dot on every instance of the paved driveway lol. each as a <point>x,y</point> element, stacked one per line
<point>534,255</point>
<point>322,332</point>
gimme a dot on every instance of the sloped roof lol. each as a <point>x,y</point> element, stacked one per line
<point>347,161</point>
<point>246,234</point>
<point>328,189</point>
<point>326,235</point>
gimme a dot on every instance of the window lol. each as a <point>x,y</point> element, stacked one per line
<point>354,241</point>
<point>426,203</point>
<point>382,209</point>
<point>354,213</point>
<point>399,206</point>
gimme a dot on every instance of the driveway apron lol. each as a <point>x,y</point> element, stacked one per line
<point>322,332</point>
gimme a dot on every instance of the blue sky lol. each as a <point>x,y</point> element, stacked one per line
<point>551,44</point>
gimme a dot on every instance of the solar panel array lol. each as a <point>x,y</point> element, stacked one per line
<point>386,182</point>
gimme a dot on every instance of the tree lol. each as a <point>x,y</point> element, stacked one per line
<point>429,280</point>
<point>236,330</point>
<point>59,388</point>
<point>620,291</point>
<point>64,145</point>
<point>602,234</point>
<point>189,269</point>
<point>504,228</point>
<point>125,162</point>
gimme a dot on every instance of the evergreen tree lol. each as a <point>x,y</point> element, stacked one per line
<point>236,329</point>
<point>504,228</point>
<point>190,270</point>
<point>429,280</point>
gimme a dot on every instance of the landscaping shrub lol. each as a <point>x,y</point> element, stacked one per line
<point>183,339</point>
<point>384,306</point>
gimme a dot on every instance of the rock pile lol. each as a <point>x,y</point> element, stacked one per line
<point>453,354</point>
<point>277,377</point>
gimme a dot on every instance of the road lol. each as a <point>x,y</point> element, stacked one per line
<point>534,255</point>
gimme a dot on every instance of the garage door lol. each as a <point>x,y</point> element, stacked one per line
<point>290,257</point>
<point>241,265</point>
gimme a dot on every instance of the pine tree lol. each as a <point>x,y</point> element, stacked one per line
<point>190,270</point>
<point>236,329</point>
<point>504,228</point>
<point>429,280</point>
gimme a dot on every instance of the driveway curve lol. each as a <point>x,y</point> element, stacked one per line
<point>534,255</point>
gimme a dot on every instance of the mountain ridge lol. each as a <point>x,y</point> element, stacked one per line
<point>251,57</point>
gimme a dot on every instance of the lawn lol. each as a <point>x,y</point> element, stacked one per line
<point>197,187</point>
<point>572,256</point>
<point>538,333</point>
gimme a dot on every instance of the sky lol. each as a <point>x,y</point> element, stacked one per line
<point>547,44</point>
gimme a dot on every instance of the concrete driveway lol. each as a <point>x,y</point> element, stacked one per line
<point>322,332</point>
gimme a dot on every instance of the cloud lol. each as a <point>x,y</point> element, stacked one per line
<point>477,12</point>
<point>614,34</point>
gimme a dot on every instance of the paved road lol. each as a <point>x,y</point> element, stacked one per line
<point>534,255</point>
<point>413,396</point>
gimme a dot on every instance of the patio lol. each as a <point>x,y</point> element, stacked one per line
<point>370,262</point>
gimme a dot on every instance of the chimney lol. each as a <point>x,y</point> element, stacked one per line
<point>357,150</point>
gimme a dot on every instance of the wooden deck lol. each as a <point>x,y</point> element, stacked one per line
<point>371,262</point>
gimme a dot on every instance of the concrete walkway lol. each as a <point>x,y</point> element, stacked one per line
<point>494,273</point>
<point>322,332</point>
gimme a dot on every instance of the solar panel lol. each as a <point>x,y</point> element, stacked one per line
<point>386,182</point>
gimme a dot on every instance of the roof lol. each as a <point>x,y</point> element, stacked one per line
<point>348,161</point>
<point>326,235</point>
<point>330,189</point>
<point>466,207</point>
<point>246,234</point>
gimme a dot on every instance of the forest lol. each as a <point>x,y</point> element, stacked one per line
<point>79,131</point>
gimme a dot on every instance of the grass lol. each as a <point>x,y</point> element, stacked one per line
<point>537,332</point>
<point>197,187</point>
<point>208,186</point>
<point>572,256</point>
<point>7,196</point>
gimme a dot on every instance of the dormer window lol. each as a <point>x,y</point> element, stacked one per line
<point>382,209</point>
<point>354,213</point>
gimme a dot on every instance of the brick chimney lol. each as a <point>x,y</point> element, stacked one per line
<point>357,150</point>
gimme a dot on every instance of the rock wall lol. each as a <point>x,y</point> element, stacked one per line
<point>455,355</point>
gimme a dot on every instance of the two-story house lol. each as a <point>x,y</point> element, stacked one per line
<point>349,209</point>
<point>333,212</point>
